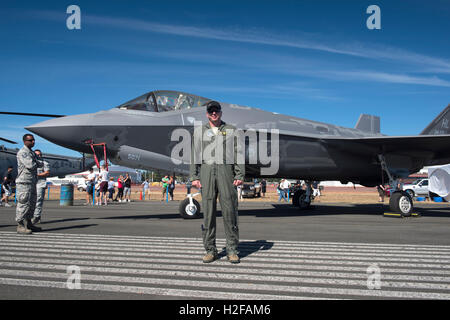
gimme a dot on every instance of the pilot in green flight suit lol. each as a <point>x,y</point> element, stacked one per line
<point>218,176</point>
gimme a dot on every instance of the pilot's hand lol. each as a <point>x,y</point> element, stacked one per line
<point>196,184</point>
<point>237,182</point>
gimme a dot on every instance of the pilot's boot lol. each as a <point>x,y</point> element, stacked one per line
<point>210,257</point>
<point>30,226</point>
<point>233,258</point>
<point>22,228</point>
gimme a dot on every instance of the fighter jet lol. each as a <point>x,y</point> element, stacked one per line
<point>140,134</point>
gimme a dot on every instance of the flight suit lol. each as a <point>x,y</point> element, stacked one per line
<point>27,165</point>
<point>41,186</point>
<point>216,176</point>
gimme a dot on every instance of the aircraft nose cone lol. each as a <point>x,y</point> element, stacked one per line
<point>69,131</point>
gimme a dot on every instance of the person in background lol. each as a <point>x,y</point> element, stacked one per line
<point>146,188</point>
<point>97,192</point>
<point>111,185</point>
<point>316,189</point>
<point>165,183</point>
<point>281,194</point>
<point>285,185</point>
<point>127,187</point>
<point>381,192</point>
<point>41,185</point>
<point>90,185</point>
<point>239,192</point>
<point>103,188</point>
<point>119,189</point>
<point>263,187</point>
<point>171,186</point>
<point>6,186</point>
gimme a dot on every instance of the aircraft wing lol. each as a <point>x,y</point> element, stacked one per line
<point>434,149</point>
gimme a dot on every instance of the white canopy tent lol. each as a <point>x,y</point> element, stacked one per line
<point>440,180</point>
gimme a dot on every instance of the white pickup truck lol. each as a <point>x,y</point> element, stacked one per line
<point>418,187</point>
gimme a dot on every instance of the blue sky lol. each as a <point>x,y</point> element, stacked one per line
<point>311,59</point>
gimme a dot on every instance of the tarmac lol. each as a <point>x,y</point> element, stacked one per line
<point>145,250</point>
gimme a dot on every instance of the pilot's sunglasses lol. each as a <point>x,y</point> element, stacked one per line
<point>216,111</point>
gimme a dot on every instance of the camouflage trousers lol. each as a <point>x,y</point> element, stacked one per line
<point>40,191</point>
<point>26,201</point>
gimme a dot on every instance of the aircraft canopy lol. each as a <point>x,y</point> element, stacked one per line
<point>160,101</point>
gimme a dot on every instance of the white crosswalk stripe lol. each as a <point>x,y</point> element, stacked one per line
<point>269,269</point>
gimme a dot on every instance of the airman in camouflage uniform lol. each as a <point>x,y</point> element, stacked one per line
<point>218,178</point>
<point>42,173</point>
<point>27,165</point>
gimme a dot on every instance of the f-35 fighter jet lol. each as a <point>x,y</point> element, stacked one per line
<point>144,132</point>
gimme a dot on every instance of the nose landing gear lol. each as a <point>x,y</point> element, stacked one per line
<point>190,208</point>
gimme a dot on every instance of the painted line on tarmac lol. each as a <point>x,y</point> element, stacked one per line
<point>301,264</point>
<point>347,279</point>
<point>182,253</point>
<point>348,272</point>
<point>243,247</point>
<point>153,291</point>
<point>286,289</point>
<point>288,262</point>
<point>171,239</point>
<point>284,271</point>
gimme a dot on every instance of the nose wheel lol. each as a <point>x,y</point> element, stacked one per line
<point>189,209</point>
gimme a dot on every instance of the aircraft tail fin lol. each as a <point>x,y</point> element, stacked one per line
<point>368,123</point>
<point>440,125</point>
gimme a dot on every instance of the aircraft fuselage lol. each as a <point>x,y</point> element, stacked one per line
<point>143,139</point>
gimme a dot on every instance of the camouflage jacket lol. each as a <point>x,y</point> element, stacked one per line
<point>27,165</point>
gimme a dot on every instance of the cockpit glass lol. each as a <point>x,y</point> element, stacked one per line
<point>173,100</point>
<point>143,103</point>
<point>165,101</point>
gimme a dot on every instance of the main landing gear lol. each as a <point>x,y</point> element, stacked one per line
<point>400,201</point>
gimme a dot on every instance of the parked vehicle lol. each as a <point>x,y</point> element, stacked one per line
<point>251,189</point>
<point>82,185</point>
<point>418,187</point>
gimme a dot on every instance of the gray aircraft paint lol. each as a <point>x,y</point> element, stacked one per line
<point>308,149</point>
